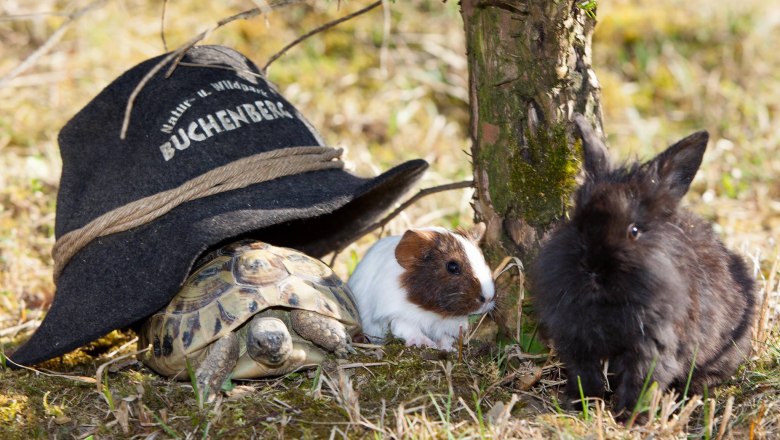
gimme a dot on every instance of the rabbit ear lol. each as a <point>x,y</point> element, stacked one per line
<point>594,150</point>
<point>677,165</point>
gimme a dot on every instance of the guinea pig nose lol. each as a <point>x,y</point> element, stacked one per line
<point>482,298</point>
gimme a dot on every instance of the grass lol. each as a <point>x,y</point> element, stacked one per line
<point>666,69</point>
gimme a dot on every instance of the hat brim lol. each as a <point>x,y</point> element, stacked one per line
<point>120,279</point>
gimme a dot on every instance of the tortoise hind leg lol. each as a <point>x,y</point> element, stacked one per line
<point>216,366</point>
<point>324,331</point>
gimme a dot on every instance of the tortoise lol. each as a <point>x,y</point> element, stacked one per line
<point>250,310</point>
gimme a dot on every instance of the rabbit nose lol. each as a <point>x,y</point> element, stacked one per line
<point>595,260</point>
<point>591,269</point>
<point>585,267</point>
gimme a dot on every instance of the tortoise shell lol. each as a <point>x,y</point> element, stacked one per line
<point>231,285</point>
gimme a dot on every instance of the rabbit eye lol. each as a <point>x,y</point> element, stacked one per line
<point>453,267</point>
<point>633,231</point>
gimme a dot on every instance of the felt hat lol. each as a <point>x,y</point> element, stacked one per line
<point>212,153</point>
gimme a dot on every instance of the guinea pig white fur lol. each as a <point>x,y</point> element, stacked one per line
<point>422,286</point>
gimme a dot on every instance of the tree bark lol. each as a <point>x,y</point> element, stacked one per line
<point>529,70</point>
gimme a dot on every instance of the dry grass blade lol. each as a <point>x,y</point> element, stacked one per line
<point>12,331</point>
<point>762,321</point>
<point>162,25</point>
<point>123,416</point>
<point>600,409</point>
<point>265,8</point>
<point>33,16</point>
<point>52,374</point>
<point>471,334</point>
<point>367,346</point>
<point>725,418</point>
<point>679,422</point>
<point>99,373</point>
<point>506,264</point>
<point>50,42</point>
<point>710,422</point>
<point>503,417</point>
<point>117,350</point>
<point>345,394</point>
<point>655,403</point>
<point>365,366</point>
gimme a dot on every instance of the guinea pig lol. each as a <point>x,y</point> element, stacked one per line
<point>422,286</point>
<point>634,281</point>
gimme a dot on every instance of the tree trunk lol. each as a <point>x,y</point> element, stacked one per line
<point>529,70</point>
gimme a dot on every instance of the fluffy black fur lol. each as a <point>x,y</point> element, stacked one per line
<point>636,280</point>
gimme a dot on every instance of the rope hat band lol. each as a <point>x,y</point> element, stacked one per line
<point>254,169</point>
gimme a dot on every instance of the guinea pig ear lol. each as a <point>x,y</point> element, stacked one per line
<point>594,150</point>
<point>413,246</point>
<point>678,164</point>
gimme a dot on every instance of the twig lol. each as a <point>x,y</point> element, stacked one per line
<point>322,28</point>
<point>217,66</point>
<point>265,7</point>
<point>386,29</point>
<point>367,346</point>
<point>422,193</point>
<point>50,373</point>
<point>162,26</point>
<point>115,351</point>
<point>179,53</point>
<point>33,324</point>
<point>137,90</point>
<point>49,43</point>
<point>245,15</point>
<point>33,16</point>
<point>362,365</point>
<point>104,365</point>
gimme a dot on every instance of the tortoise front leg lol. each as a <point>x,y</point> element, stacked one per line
<point>324,331</point>
<point>216,366</point>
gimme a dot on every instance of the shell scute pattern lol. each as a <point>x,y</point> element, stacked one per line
<point>206,286</point>
<point>217,328</point>
<point>228,287</point>
<point>191,329</point>
<point>167,345</point>
<point>205,274</point>
<point>259,268</point>
<point>346,300</point>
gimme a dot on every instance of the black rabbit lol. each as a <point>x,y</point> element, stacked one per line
<point>635,280</point>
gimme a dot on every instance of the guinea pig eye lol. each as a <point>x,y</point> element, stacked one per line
<point>453,267</point>
<point>633,231</point>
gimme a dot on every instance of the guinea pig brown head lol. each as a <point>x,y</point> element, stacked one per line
<point>445,272</point>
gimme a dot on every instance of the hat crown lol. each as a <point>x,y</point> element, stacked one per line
<point>216,108</point>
